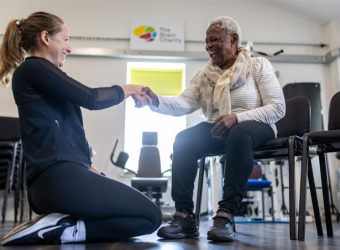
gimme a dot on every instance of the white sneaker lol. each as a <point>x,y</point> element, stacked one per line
<point>44,229</point>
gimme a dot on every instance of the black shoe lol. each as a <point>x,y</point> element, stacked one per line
<point>223,228</point>
<point>180,228</point>
<point>45,229</point>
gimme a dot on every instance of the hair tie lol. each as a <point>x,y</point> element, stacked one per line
<point>20,22</point>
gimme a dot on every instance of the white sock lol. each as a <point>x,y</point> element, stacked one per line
<point>75,233</point>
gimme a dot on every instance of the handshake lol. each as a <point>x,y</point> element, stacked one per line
<point>145,97</point>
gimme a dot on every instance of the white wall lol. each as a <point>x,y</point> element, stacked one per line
<point>100,18</point>
<point>333,34</point>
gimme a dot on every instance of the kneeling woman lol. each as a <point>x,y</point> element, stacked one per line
<point>74,201</point>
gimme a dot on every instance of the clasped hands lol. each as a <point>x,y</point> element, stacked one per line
<point>145,97</point>
<point>221,125</point>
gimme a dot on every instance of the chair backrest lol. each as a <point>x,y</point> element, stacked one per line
<point>150,139</point>
<point>333,115</point>
<point>311,90</point>
<point>9,129</point>
<point>297,118</point>
<point>10,153</point>
<point>149,158</point>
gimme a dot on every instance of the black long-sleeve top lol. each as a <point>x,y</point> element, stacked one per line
<point>51,122</point>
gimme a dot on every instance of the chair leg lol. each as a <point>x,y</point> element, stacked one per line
<point>17,183</point>
<point>303,190</point>
<point>325,194</point>
<point>149,192</point>
<point>314,198</point>
<point>8,186</point>
<point>22,202</point>
<point>272,201</point>
<point>23,195</point>
<point>4,206</point>
<point>199,191</point>
<point>263,211</point>
<point>292,188</point>
<point>16,198</point>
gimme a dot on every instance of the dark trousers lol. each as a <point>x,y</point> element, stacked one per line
<point>111,210</point>
<point>238,144</point>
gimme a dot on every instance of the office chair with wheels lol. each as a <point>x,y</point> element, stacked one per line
<point>325,142</point>
<point>149,178</point>
<point>288,144</point>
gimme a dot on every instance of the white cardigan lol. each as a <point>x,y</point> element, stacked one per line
<point>259,99</point>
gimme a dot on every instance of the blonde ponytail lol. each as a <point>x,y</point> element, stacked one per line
<point>11,53</point>
<point>21,37</point>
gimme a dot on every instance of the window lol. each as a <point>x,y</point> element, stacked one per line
<point>163,78</point>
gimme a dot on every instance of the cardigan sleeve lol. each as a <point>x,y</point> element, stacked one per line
<point>273,102</point>
<point>185,103</point>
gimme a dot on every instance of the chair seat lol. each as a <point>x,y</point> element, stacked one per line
<point>4,162</point>
<point>160,183</point>
<point>277,148</point>
<point>9,144</point>
<point>324,136</point>
<point>277,142</point>
<point>257,184</point>
<point>6,153</point>
<point>272,149</point>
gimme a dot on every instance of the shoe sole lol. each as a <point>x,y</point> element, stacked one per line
<point>178,235</point>
<point>218,237</point>
<point>31,227</point>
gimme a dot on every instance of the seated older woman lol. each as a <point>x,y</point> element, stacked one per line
<point>242,100</point>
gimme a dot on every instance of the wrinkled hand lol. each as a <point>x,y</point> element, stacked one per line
<point>141,100</point>
<point>150,96</point>
<point>222,125</point>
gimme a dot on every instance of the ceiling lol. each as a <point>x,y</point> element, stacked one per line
<point>317,11</point>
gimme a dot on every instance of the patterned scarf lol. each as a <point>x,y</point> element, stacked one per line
<point>216,84</point>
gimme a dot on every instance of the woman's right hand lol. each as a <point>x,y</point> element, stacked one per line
<point>132,89</point>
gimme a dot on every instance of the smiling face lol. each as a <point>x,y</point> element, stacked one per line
<point>221,46</point>
<point>58,47</point>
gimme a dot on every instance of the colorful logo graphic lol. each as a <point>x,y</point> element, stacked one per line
<point>145,32</point>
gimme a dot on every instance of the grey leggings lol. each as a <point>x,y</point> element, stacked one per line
<point>111,210</point>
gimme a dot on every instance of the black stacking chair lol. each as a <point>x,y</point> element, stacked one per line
<point>288,144</point>
<point>325,142</point>
<point>11,162</point>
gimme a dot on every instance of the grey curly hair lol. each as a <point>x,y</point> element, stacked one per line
<point>229,25</point>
